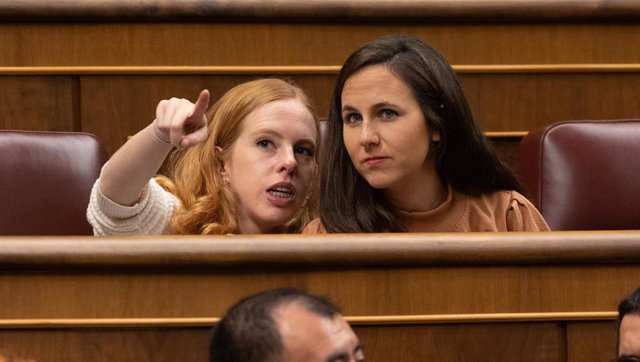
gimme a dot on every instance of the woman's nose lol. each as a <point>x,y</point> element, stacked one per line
<point>288,161</point>
<point>368,134</point>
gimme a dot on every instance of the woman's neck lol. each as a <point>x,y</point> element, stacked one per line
<point>423,195</point>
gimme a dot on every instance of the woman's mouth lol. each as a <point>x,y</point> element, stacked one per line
<point>281,192</point>
<point>374,161</point>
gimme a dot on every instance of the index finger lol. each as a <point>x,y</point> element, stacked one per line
<point>197,118</point>
<point>202,103</point>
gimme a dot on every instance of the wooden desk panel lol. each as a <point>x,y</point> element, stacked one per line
<point>465,342</point>
<point>457,342</point>
<point>591,340</point>
<point>109,345</point>
<point>419,274</point>
<point>406,291</point>
<point>504,296</point>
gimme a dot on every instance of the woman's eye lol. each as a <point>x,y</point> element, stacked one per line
<point>352,118</point>
<point>306,151</point>
<point>389,114</point>
<point>264,143</point>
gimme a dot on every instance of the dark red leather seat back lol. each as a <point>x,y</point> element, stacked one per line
<point>584,175</point>
<point>45,181</point>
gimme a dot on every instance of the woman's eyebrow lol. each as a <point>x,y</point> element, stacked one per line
<point>348,108</point>
<point>377,106</point>
<point>382,105</point>
<point>264,130</point>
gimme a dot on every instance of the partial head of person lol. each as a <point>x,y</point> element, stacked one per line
<point>629,328</point>
<point>255,173</point>
<point>284,325</point>
<point>399,121</point>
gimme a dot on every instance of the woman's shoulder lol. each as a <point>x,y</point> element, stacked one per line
<point>519,198</point>
<point>522,215</point>
<point>510,209</point>
<point>314,227</point>
<point>508,197</point>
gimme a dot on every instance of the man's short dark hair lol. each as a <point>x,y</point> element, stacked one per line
<point>629,305</point>
<point>248,332</point>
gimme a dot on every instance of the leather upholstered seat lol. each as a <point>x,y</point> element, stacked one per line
<point>45,181</point>
<point>584,175</point>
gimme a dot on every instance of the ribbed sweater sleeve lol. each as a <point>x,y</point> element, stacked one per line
<point>149,216</point>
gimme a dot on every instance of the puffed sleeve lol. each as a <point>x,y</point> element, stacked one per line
<point>522,215</point>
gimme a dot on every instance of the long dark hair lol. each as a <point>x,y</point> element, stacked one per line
<point>463,157</point>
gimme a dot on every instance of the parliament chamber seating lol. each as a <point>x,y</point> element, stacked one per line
<point>582,175</point>
<point>45,181</point>
<point>101,67</point>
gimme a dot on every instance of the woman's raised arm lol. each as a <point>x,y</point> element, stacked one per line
<point>179,123</point>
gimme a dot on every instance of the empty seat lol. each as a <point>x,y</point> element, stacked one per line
<point>583,175</point>
<point>45,181</point>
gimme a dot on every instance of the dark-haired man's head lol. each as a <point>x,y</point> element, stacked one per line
<point>629,328</point>
<point>284,325</point>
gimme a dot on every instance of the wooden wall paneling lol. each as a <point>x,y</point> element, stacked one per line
<point>591,341</point>
<point>37,103</point>
<point>115,107</point>
<point>507,149</point>
<point>522,102</point>
<point>247,43</point>
<point>467,36</point>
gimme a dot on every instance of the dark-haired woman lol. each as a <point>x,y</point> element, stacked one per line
<point>404,153</point>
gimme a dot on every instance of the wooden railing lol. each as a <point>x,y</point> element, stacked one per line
<point>319,10</point>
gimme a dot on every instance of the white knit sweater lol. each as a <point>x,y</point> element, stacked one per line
<point>150,216</point>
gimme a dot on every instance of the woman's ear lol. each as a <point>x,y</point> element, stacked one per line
<point>435,136</point>
<point>223,167</point>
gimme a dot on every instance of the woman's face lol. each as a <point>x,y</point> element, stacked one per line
<point>385,132</point>
<point>272,164</point>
